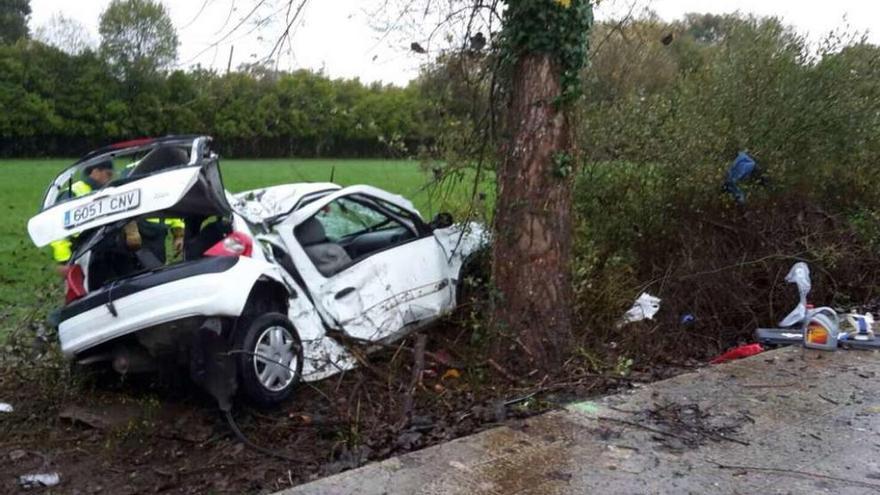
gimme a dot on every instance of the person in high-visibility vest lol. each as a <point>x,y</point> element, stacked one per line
<point>154,230</point>
<point>146,232</point>
<point>95,176</point>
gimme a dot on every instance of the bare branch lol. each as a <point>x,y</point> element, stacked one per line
<point>286,34</point>
<point>198,14</point>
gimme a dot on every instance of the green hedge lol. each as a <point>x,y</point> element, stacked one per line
<point>59,104</point>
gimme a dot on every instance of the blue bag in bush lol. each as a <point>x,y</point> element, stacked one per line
<point>742,167</point>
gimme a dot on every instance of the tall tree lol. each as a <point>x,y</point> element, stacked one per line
<point>13,20</point>
<point>545,41</point>
<point>544,47</point>
<point>138,37</point>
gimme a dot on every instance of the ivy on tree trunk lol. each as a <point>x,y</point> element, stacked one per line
<point>545,41</point>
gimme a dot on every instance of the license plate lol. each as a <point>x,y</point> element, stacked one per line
<point>109,205</point>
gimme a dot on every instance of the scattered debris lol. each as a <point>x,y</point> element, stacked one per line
<point>800,276</point>
<point>39,480</point>
<point>742,168</point>
<point>740,352</point>
<point>644,308</point>
<point>5,407</point>
<point>451,374</point>
<point>694,426</point>
<point>17,455</point>
<point>441,356</point>
<point>822,330</point>
<point>858,327</point>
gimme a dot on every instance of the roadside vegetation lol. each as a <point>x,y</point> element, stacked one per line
<point>660,125</point>
<point>58,104</point>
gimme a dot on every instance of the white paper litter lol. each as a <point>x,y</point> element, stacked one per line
<point>39,479</point>
<point>645,307</point>
<point>799,275</point>
<point>5,408</point>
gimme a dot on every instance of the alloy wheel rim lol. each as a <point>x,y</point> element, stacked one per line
<point>275,358</point>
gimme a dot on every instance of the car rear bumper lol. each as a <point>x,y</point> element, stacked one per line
<point>208,287</point>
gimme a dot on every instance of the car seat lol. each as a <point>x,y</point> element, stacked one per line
<point>328,257</point>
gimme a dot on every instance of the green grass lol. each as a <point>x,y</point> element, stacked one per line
<point>28,283</point>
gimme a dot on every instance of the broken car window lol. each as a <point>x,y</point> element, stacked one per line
<point>344,217</point>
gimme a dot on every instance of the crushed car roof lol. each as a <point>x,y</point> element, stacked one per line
<point>262,204</point>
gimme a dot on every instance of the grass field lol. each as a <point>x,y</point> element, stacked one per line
<point>28,284</point>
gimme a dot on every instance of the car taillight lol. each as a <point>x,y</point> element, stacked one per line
<point>235,244</point>
<point>76,287</point>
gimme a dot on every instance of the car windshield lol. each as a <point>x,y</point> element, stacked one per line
<point>118,164</point>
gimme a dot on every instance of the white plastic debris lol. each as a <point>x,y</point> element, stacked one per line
<point>799,275</point>
<point>645,307</point>
<point>39,480</point>
<point>5,408</point>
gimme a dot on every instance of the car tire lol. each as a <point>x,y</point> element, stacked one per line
<point>264,381</point>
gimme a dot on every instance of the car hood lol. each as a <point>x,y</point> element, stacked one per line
<point>184,191</point>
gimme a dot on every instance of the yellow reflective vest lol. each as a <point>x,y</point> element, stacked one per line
<point>62,248</point>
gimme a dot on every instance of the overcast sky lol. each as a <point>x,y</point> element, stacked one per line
<point>339,36</point>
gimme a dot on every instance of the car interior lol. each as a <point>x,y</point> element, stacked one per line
<point>348,230</point>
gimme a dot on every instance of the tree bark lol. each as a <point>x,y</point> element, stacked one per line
<point>532,245</point>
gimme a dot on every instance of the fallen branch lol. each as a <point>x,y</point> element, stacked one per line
<point>500,369</point>
<point>718,436</point>
<point>347,340</point>
<point>714,436</point>
<point>646,428</point>
<point>418,368</point>
<point>796,472</point>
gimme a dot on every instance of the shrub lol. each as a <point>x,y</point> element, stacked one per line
<point>650,210</point>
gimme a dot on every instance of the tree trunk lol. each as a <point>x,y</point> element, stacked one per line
<point>532,245</point>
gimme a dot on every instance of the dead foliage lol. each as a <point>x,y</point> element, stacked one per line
<point>723,265</point>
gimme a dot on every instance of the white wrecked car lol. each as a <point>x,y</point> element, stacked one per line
<point>270,281</point>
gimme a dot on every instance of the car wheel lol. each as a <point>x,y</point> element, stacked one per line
<point>269,358</point>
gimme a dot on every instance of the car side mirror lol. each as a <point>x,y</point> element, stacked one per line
<point>441,221</point>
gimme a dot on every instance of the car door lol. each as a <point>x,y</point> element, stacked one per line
<point>395,274</point>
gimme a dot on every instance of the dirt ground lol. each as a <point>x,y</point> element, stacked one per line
<point>102,434</point>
